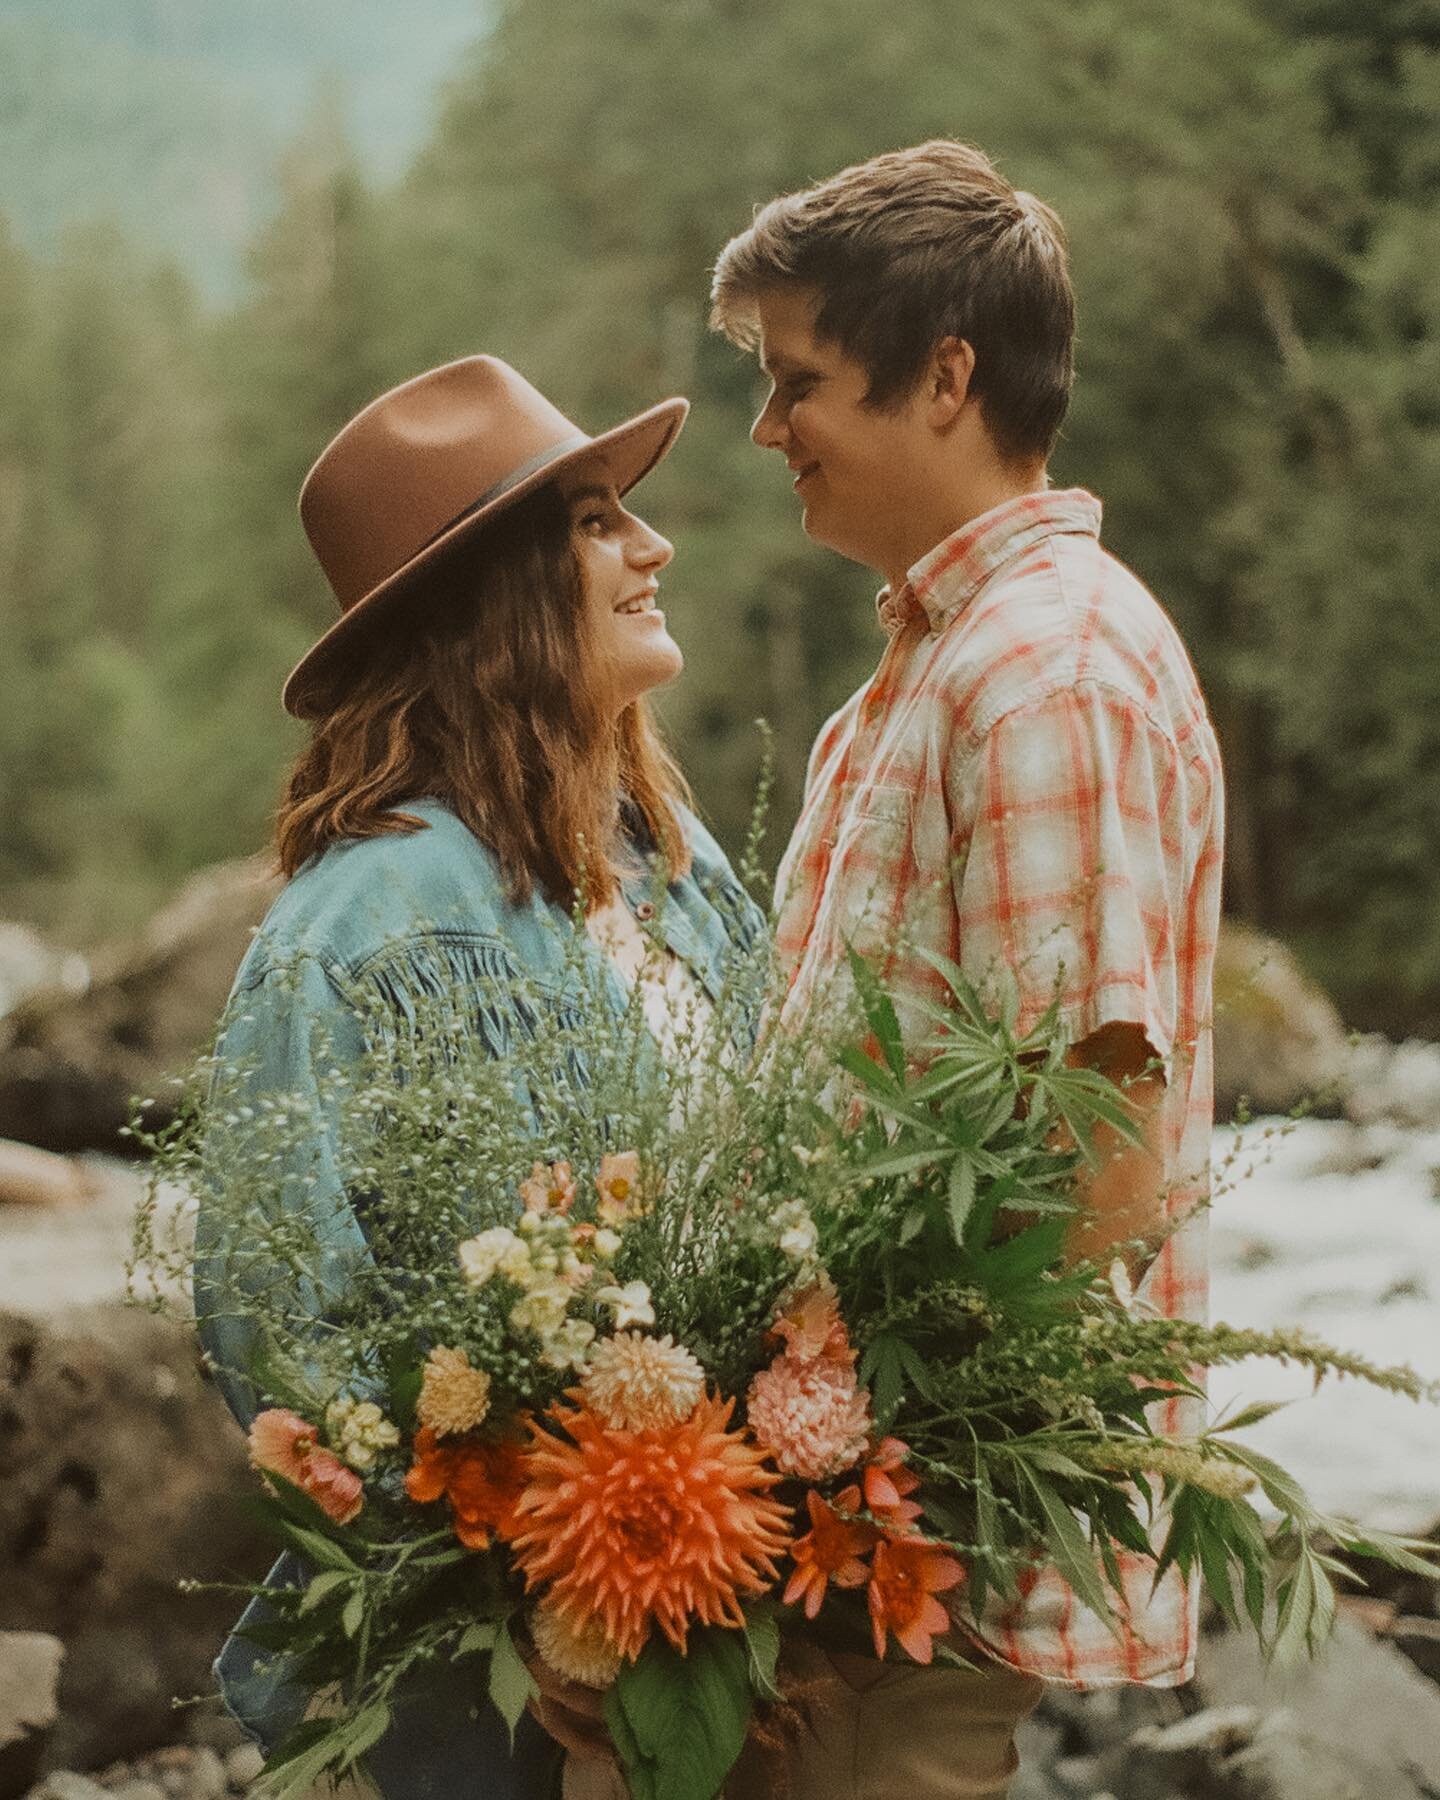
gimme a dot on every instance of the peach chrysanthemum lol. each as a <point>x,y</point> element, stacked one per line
<point>808,1413</point>
<point>453,1396</point>
<point>632,1529</point>
<point>282,1443</point>
<point>584,1655</point>
<point>635,1383</point>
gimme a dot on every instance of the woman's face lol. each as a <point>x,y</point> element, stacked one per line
<point>620,562</point>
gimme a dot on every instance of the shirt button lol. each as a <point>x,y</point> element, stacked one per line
<point>645,911</point>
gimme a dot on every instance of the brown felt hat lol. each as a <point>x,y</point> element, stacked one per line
<point>423,468</point>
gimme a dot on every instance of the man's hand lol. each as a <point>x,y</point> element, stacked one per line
<point>1123,1199</point>
<point>572,1713</point>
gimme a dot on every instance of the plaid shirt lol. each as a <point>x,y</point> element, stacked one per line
<point>1029,782</point>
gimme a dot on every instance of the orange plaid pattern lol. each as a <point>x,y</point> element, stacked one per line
<point>1029,784</point>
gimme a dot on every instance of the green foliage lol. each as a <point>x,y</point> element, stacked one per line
<point>680,1721</point>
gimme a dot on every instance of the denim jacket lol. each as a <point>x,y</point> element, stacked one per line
<point>380,922</point>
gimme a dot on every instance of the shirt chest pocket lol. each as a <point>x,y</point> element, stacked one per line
<point>867,868</point>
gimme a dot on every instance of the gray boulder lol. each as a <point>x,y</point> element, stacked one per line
<point>120,1474</point>
<point>70,1062</point>
<point>29,1704</point>
<point>1279,1040</point>
<point>1358,1723</point>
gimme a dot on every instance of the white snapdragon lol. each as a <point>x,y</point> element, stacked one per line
<point>631,1304</point>
<point>497,1251</point>
<point>360,1431</point>
<point>797,1236</point>
<point>568,1347</point>
<point>542,1308</point>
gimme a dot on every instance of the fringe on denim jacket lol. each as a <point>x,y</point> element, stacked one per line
<point>369,929</point>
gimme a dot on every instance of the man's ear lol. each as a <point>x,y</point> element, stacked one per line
<point>951,368</point>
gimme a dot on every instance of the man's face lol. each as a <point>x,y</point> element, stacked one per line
<point>858,471</point>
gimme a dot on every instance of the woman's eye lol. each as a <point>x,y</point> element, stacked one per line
<point>593,521</point>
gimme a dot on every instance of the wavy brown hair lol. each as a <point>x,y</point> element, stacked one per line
<point>485,693</point>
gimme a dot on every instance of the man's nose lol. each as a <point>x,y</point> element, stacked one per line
<point>770,430</point>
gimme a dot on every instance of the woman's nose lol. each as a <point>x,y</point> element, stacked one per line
<point>648,550</point>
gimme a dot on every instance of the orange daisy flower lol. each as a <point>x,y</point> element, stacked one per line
<point>905,1575</point>
<point>830,1550</point>
<point>664,1526</point>
<point>482,1482</point>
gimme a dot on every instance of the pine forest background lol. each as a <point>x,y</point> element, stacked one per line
<point>226,224</point>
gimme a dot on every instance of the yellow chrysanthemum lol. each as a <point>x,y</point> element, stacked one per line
<point>453,1396</point>
<point>635,1383</point>
<point>579,1653</point>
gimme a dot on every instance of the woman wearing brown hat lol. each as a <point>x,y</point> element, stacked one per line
<point>479,751</point>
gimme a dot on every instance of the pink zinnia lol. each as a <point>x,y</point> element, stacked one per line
<point>284,1444</point>
<point>809,1415</point>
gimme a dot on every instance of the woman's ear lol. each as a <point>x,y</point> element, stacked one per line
<point>951,369</point>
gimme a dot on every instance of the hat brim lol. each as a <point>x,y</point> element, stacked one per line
<point>629,452</point>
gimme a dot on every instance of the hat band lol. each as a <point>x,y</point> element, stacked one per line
<point>526,469</point>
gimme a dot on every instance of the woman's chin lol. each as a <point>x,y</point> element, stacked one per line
<point>660,666</point>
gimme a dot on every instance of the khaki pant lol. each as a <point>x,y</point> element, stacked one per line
<point>874,1731</point>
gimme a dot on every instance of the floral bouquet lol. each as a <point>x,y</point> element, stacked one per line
<point>642,1373</point>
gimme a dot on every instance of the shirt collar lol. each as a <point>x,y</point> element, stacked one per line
<point>949,576</point>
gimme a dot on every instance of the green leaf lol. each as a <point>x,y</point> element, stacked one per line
<point>880,1371</point>
<point>879,1012</point>
<point>511,1684</point>
<point>354,1613</point>
<point>364,1732</point>
<point>762,1640</point>
<point>1072,1552</point>
<point>320,1587</point>
<point>318,1549</point>
<point>1249,1415</point>
<point>639,1770</point>
<point>915,1368</point>
<point>912,1224</point>
<point>687,1715</point>
<point>962,1194</point>
<point>476,1638</point>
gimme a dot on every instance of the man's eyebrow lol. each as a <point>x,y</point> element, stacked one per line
<point>578,496</point>
<point>776,362</point>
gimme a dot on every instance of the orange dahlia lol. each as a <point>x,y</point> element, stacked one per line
<point>631,1529</point>
<point>905,1575</point>
<point>481,1481</point>
<point>830,1551</point>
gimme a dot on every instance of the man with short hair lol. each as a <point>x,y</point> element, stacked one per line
<point>1028,783</point>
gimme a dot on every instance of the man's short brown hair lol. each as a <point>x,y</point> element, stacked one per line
<point>908,249</point>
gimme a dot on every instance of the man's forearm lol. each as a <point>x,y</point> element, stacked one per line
<point>1122,1197</point>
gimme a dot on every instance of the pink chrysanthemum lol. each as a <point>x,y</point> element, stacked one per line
<point>809,1414</point>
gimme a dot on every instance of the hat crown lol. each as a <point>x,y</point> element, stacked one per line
<point>418,458</point>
